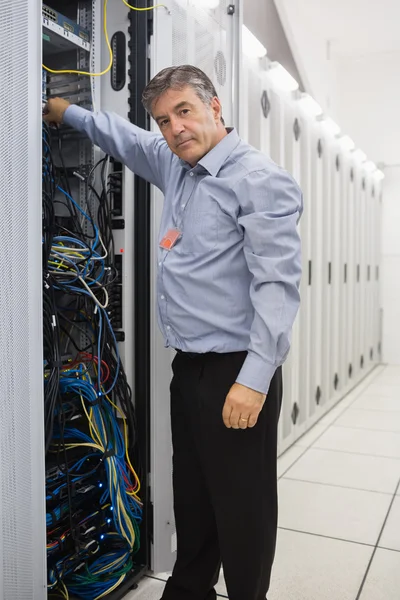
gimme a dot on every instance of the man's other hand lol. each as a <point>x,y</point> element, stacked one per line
<point>242,407</point>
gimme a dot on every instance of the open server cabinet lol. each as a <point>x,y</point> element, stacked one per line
<point>70,35</point>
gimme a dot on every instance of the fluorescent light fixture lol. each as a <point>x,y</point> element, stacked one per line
<point>211,4</point>
<point>310,106</point>
<point>379,175</point>
<point>369,166</point>
<point>251,46</point>
<point>347,143</point>
<point>331,126</point>
<point>282,78</point>
<point>359,155</point>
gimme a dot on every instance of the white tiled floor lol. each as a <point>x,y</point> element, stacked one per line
<point>339,523</point>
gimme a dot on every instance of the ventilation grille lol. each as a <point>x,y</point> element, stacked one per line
<point>21,466</point>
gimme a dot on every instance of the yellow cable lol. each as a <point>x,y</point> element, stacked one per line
<point>126,451</point>
<point>76,72</point>
<point>88,72</point>
<point>142,9</point>
<point>120,580</point>
<point>92,429</point>
<point>64,591</point>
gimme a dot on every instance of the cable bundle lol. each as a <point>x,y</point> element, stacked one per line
<point>92,489</point>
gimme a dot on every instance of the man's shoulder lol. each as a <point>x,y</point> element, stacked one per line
<point>249,161</point>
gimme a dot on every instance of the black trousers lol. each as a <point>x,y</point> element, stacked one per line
<point>225,483</point>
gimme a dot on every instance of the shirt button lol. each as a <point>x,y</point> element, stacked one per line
<point>159,264</point>
<point>191,174</point>
<point>162,297</point>
<point>168,328</point>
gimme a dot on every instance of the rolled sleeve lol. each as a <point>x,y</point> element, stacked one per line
<point>271,205</point>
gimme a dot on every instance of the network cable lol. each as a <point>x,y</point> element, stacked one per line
<point>90,423</point>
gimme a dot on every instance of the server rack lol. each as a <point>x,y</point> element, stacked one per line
<point>23,543</point>
<point>185,33</point>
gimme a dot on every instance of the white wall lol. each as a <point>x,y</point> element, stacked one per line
<point>363,107</point>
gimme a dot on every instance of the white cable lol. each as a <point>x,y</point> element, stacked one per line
<point>99,304</point>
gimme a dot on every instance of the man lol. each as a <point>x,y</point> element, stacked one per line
<point>229,271</point>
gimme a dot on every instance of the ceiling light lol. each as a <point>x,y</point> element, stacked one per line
<point>282,78</point>
<point>330,125</point>
<point>369,166</point>
<point>251,46</point>
<point>359,155</point>
<point>346,143</point>
<point>310,106</point>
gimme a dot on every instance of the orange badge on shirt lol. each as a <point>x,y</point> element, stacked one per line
<point>170,238</point>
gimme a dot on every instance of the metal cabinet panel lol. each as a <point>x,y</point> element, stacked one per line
<point>22,479</point>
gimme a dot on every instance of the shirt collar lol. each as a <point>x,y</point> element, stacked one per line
<point>214,160</point>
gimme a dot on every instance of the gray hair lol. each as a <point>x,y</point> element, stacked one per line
<point>177,78</point>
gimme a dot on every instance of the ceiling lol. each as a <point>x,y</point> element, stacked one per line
<point>354,26</point>
<point>348,55</point>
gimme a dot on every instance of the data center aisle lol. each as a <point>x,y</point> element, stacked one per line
<point>339,526</point>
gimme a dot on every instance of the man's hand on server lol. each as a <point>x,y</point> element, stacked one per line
<point>54,110</point>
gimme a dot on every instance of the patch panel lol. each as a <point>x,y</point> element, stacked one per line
<point>61,33</point>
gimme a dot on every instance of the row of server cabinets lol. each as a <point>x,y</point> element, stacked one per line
<point>337,335</point>
<point>336,338</point>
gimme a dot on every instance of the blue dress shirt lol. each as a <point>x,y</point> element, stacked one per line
<point>231,282</point>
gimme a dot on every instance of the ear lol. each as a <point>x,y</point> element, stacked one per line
<point>216,108</point>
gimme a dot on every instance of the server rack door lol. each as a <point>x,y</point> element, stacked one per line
<point>336,240</point>
<point>361,316</point>
<point>164,536</point>
<point>369,231</point>
<point>327,272</point>
<point>377,316</point>
<point>347,175</point>
<point>318,271</point>
<point>351,363</point>
<point>358,353</point>
<point>380,321</point>
<point>374,277</point>
<point>306,290</point>
<point>186,33</point>
<point>22,501</point>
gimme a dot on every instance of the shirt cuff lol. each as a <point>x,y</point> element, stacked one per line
<point>74,116</point>
<point>256,374</point>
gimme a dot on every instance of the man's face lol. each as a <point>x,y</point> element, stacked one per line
<point>190,128</point>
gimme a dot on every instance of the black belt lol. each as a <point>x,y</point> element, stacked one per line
<point>189,354</point>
